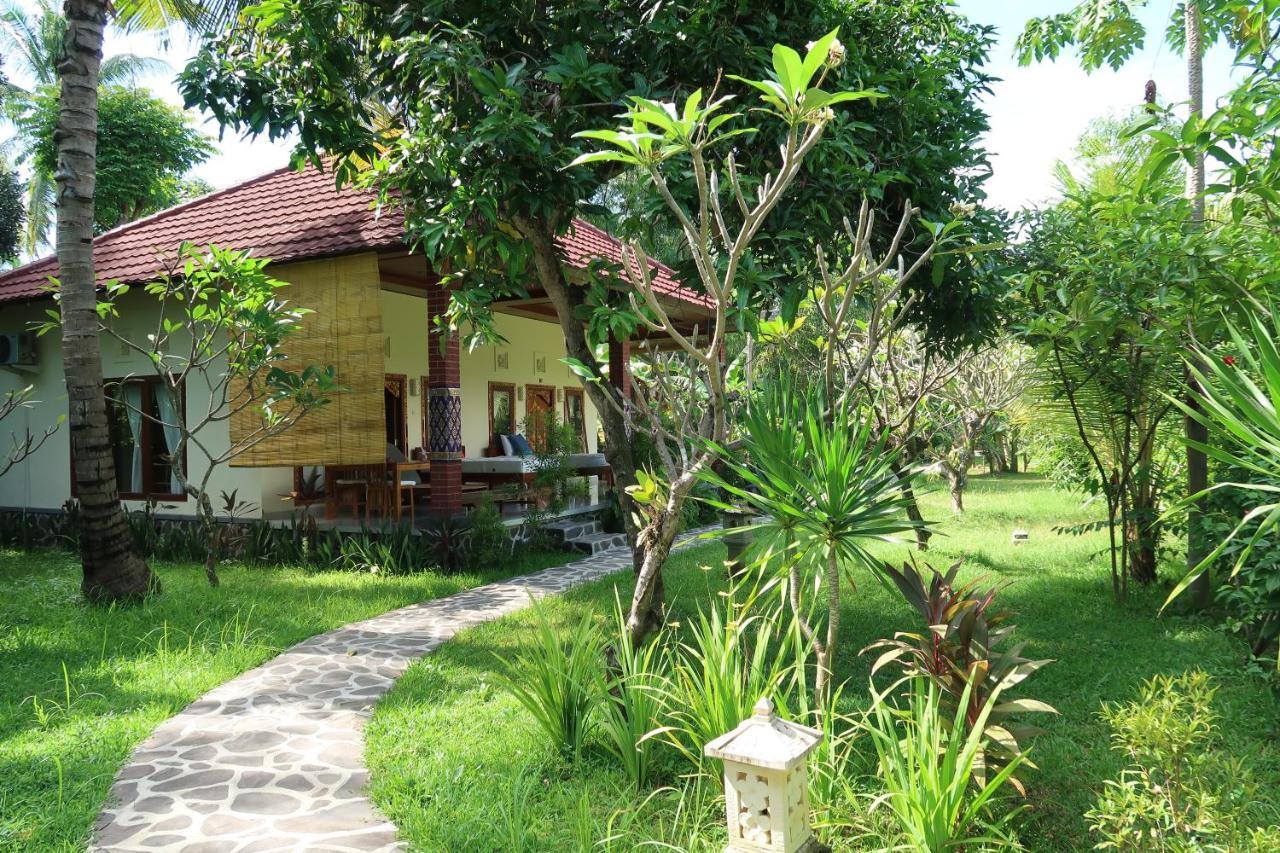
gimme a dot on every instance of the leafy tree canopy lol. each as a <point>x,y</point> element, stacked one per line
<point>11,213</point>
<point>1110,32</point>
<point>145,149</point>
<point>465,112</point>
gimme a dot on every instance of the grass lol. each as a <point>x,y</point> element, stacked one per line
<point>458,764</point>
<point>83,685</point>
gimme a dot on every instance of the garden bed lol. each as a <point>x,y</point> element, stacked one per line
<point>457,763</point>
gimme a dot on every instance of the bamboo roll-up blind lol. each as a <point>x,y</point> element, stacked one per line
<point>345,331</point>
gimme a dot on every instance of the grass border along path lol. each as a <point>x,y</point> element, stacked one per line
<point>84,685</point>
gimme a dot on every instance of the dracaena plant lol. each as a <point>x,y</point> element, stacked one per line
<point>825,488</point>
<point>967,650</point>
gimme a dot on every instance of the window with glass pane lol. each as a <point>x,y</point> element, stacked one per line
<point>501,409</point>
<point>142,419</point>
<point>575,414</point>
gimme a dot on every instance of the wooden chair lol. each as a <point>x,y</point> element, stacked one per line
<point>346,485</point>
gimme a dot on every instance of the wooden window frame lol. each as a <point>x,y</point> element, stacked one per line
<point>510,388</point>
<point>424,406</point>
<point>402,428</point>
<point>582,406</point>
<point>149,384</point>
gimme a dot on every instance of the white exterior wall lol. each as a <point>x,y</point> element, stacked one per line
<point>404,325</point>
<point>525,338</point>
<point>43,481</point>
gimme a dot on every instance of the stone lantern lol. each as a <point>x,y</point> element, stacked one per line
<point>766,783</point>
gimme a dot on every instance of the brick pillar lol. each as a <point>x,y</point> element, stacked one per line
<point>444,409</point>
<point>620,365</point>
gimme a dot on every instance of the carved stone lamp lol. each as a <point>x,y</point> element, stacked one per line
<point>766,783</point>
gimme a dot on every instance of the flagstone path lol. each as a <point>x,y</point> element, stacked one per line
<point>273,760</point>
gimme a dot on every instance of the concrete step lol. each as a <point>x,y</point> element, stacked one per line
<point>595,542</point>
<point>569,529</point>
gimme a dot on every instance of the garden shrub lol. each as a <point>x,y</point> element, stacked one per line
<point>558,679</point>
<point>930,763</point>
<point>490,543</point>
<point>1251,599</point>
<point>1181,790</point>
<point>966,650</point>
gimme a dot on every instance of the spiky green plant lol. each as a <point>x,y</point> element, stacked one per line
<point>734,651</point>
<point>825,488</point>
<point>1237,404</point>
<point>927,762</point>
<point>630,713</point>
<point>556,678</point>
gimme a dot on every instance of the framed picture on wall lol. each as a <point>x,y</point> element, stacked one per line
<point>539,362</point>
<point>501,359</point>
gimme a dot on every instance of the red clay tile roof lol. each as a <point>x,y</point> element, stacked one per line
<point>285,215</point>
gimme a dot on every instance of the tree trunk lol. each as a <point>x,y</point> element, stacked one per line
<point>1013,453</point>
<point>653,546</point>
<point>566,299</point>
<point>212,538</point>
<point>112,570</point>
<point>1141,548</point>
<point>913,512</point>
<point>957,477</point>
<point>1197,462</point>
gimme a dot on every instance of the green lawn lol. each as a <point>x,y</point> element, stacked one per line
<point>62,739</point>
<point>458,765</point>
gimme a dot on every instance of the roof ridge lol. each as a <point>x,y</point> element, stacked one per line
<point>161,214</point>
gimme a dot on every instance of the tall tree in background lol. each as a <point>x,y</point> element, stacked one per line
<point>11,212</point>
<point>1197,434</point>
<point>33,42</point>
<point>1108,34</point>
<point>465,113</point>
<point>145,150</point>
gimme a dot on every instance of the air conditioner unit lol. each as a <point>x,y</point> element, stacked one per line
<point>17,349</point>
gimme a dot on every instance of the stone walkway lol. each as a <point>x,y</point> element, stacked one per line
<point>273,760</point>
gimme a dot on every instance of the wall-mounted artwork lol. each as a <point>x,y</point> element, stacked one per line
<point>539,362</point>
<point>501,359</point>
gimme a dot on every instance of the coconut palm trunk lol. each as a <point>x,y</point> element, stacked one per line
<point>112,569</point>
<point>1195,431</point>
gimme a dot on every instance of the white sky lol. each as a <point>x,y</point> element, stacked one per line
<point>1037,113</point>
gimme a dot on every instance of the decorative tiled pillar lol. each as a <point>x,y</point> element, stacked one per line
<point>444,409</point>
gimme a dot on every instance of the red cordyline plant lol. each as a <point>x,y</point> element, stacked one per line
<point>966,645</point>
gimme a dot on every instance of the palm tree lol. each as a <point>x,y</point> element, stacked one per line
<point>1195,431</point>
<point>113,571</point>
<point>33,39</point>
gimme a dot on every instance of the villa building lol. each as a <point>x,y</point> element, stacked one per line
<point>372,299</point>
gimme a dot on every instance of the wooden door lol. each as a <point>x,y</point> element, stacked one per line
<point>396,410</point>
<point>539,401</point>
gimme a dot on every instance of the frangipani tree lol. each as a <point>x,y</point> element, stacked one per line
<point>718,232</point>
<point>981,386</point>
